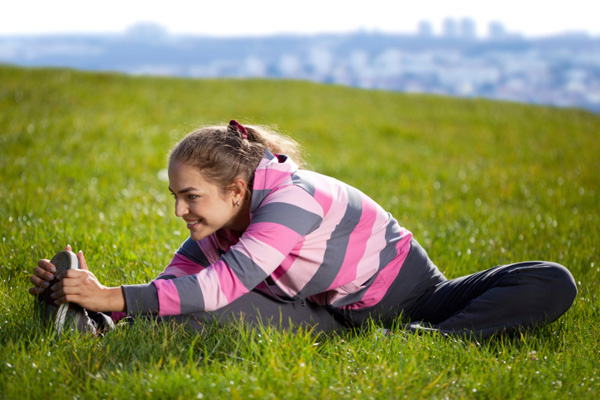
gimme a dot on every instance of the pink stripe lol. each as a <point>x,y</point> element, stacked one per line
<point>209,283</point>
<point>263,163</point>
<point>287,263</point>
<point>230,285</point>
<point>304,266</point>
<point>357,243</point>
<point>277,236</point>
<point>265,256</point>
<point>219,286</point>
<point>168,298</point>
<point>271,177</point>
<point>334,215</point>
<point>386,276</point>
<point>369,263</point>
<point>324,198</point>
<point>209,249</point>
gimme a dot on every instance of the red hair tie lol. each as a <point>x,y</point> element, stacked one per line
<point>240,128</point>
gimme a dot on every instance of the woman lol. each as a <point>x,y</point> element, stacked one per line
<point>282,245</point>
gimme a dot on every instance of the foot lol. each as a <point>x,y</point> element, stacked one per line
<point>67,316</point>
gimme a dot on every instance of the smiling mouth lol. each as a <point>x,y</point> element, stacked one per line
<point>191,224</point>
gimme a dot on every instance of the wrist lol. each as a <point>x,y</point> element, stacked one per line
<point>115,301</point>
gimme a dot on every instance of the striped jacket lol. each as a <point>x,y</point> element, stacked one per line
<point>310,236</point>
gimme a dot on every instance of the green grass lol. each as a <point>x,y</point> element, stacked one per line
<point>479,183</point>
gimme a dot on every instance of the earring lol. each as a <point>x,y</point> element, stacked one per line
<point>238,203</point>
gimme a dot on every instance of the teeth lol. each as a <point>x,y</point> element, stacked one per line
<point>192,222</point>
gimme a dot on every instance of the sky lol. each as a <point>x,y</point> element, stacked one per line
<point>531,18</point>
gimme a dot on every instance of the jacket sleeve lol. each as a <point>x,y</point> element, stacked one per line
<point>190,258</point>
<point>278,226</point>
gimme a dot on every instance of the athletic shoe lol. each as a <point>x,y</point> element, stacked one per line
<point>67,316</point>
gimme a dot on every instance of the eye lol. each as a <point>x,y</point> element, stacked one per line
<point>193,197</point>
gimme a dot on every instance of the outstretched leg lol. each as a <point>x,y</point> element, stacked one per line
<point>257,308</point>
<point>500,299</point>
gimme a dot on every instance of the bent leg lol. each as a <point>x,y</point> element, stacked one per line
<point>501,299</point>
<point>257,308</point>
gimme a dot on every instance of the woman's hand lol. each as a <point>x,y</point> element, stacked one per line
<point>43,274</point>
<point>77,286</point>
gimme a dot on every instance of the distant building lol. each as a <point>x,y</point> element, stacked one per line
<point>320,60</point>
<point>496,30</point>
<point>254,67</point>
<point>450,28</point>
<point>289,65</point>
<point>468,28</point>
<point>425,29</point>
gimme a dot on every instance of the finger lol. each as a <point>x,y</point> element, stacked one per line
<point>37,282</point>
<point>66,295</point>
<point>70,273</point>
<point>63,300</point>
<point>70,281</point>
<point>68,248</point>
<point>63,291</point>
<point>34,291</point>
<point>59,298</point>
<point>82,263</point>
<point>42,274</point>
<point>46,265</point>
<point>57,286</point>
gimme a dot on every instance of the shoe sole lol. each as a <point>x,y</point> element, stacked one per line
<point>63,261</point>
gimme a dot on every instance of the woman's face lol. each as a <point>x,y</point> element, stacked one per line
<point>201,204</point>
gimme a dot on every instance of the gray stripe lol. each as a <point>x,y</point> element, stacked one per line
<point>336,247</point>
<point>303,180</point>
<point>190,294</point>
<point>296,218</point>
<point>247,271</point>
<point>392,236</point>
<point>140,299</point>
<point>166,277</point>
<point>268,155</point>
<point>258,196</point>
<point>191,250</point>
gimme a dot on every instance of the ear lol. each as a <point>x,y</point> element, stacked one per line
<point>238,190</point>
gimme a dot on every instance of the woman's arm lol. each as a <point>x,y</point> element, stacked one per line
<point>191,258</point>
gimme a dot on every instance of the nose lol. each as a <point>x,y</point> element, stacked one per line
<point>181,208</point>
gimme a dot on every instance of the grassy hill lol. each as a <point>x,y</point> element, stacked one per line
<point>479,183</point>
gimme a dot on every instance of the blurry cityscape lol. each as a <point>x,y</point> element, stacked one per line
<point>561,70</point>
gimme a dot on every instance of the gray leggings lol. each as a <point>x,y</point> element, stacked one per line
<point>501,299</point>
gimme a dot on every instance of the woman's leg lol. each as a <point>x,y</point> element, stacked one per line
<point>257,308</point>
<point>500,299</point>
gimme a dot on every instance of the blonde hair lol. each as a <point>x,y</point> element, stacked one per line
<point>225,153</point>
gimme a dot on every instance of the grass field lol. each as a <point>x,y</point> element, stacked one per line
<point>479,183</point>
